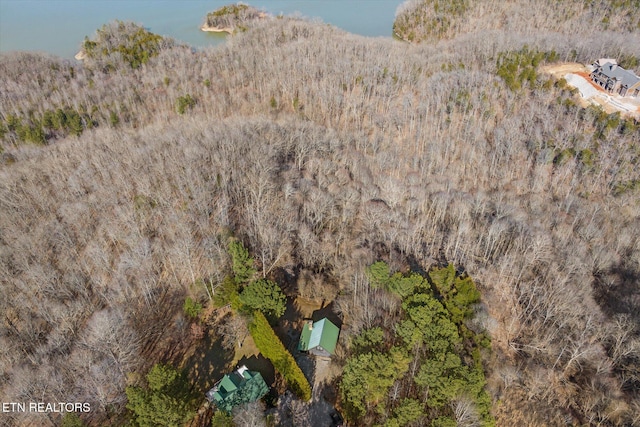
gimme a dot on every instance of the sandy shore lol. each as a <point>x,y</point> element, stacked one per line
<point>205,27</point>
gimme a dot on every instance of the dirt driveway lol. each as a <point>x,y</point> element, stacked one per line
<point>560,70</point>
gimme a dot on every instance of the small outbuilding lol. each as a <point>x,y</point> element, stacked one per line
<point>319,338</point>
<point>237,388</point>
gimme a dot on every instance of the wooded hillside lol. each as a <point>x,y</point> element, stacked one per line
<point>432,20</point>
<point>323,152</point>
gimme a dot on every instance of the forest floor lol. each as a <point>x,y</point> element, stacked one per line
<point>577,75</point>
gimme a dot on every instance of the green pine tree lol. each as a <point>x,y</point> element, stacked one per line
<point>266,296</point>
<point>242,263</point>
<point>166,401</point>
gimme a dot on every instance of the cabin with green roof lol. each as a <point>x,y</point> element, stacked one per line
<point>237,388</point>
<point>319,338</point>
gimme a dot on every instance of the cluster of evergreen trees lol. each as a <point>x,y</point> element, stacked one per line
<point>52,124</point>
<point>521,66</point>
<point>166,400</point>
<point>430,340</point>
<point>245,293</point>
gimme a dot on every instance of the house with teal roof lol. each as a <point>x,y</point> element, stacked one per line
<point>319,338</point>
<point>237,388</point>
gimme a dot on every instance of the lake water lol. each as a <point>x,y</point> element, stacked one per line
<point>59,26</point>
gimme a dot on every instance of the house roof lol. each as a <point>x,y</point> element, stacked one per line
<point>614,71</point>
<point>603,61</point>
<point>229,383</point>
<point>322,333</point>
<point>237,388</point>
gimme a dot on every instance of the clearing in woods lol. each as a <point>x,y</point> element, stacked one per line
<point>577,75</point>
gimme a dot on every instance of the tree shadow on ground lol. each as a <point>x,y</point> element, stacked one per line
<point>328,312</point>
<point>286,280</point>
<point>617,292</point>
<point>287,327</point>
<point>307,366</point>
<point>158,327</point>
<point>209,363</point>
<point>260,364</point>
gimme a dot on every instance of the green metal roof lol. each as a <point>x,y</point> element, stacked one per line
<point>323,334</point>
<point>237,388</point>
<point>230,383</point>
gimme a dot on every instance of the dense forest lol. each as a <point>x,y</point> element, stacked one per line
<point>374,173</point>
<point>432,20</point>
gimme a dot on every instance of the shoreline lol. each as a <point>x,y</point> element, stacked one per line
<point>208,29</point>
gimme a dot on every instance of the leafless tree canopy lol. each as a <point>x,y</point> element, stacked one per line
<point>429,20</point>
<point>325,152</point>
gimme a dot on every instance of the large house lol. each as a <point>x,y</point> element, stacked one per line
<point>615,79</point>
<point>319,338</point>
<point>237,388</point>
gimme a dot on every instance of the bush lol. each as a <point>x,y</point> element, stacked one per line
<point>185,102</point>
<point>71,419</point>
<point>192,308</point>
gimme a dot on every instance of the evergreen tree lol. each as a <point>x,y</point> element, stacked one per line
<point>404,286</point>
<point>192,308</point>
<point>222,419</point>
<point>266,296</point>
<point>367,377</point>
<point>166,401</point>
<point>71,419</point>
<point>408,411</point>
<point>227,293</point>
<point>378,274</point>
<point>458,293</point>
<point>368,340</point>
<point>242,263</point>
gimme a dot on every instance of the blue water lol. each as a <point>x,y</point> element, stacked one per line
<point>59,26</point>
